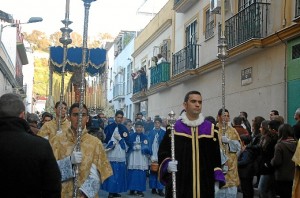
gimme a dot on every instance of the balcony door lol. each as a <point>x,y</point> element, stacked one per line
<point>293,78</point>
<point>245,3</point>
<point>190,42</point>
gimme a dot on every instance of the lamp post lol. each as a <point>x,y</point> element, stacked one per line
<point>31,20</point>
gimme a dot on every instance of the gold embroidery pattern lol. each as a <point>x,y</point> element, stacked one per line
<point>50,128</point>
<point>232,177</point>
<point>92,152</point>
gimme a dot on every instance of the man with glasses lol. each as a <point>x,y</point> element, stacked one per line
<point>91,159</point>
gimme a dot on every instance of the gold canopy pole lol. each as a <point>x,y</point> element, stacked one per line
<point>65,40</point>
<point>87,4</point>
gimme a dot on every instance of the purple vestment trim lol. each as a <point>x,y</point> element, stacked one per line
<point>219,176</point>
<point>163,170</point>
<point>203,129</point>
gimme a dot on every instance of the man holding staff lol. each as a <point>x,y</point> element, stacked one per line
<point>197,153</point>
<point>94,168</point>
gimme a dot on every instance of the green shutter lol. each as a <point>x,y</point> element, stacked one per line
<point>293,78</point>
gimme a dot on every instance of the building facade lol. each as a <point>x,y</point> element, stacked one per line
<point>119,73</point>
<point>12,56</point>
<point>261,71</point>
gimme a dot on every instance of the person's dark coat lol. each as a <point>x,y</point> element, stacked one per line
<point>246,164</point>
<point>268,143</point>
<point>282,160</point>
<point>28,168</point>
<point>296,129</point>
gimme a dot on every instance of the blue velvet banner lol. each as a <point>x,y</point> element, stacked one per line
<point>95,59</point>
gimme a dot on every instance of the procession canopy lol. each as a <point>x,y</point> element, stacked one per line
<point>96,58</point>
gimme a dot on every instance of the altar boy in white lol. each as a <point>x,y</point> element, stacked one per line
<point>138,160</point>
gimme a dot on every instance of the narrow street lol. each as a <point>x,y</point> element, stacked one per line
<point>148,194</point>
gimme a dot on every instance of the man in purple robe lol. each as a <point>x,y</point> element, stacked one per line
<point>197,153</point>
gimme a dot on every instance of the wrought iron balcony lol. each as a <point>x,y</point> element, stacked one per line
<point>160,73</point>
<point>186,59</point>
<point>139,84</point>
<point>247,24</point>
<point>119,90</point>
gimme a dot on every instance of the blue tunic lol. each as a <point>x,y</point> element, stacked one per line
<point>116,152</point>
<point>138,161</point>
<point>153,177</point>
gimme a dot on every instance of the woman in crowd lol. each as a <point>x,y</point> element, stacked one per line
<point>282,161</point>
<point>266,186</point>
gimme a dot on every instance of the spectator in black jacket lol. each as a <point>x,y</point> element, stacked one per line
<point>246,167</point>
<point>244,116</point>
<point>254,145</point>
<point>28,167</point>
<point>266,186</point>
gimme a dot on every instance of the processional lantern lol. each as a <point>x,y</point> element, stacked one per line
<point>79,60</point>
<point>222,55</point>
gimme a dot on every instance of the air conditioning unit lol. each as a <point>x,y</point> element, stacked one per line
<point>215,6</point>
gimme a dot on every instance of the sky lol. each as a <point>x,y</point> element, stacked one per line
<point>105,16</point>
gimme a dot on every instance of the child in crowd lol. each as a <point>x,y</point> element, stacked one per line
<point>138,160</point>
<point>246,167</point>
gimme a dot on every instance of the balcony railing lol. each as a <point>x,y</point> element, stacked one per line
<point>297,9</point>
<point>186,59</point>
<point>160,73</point>
<point>247,24</point>
<point>119,90</point>
<point>139,84</point>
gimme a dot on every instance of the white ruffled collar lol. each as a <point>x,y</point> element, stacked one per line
<point>192,123</point>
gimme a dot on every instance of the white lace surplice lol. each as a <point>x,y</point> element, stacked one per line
<point>117,154</point>
<point>136,159</point>
<point>154,157</point>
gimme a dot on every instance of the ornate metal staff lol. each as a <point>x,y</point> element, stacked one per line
<point>87,5</point>
<point>65,40</point>
<point>222,55</point>
<point>172,123</point>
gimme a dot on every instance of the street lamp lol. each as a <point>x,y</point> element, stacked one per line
<point>31,20</point>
